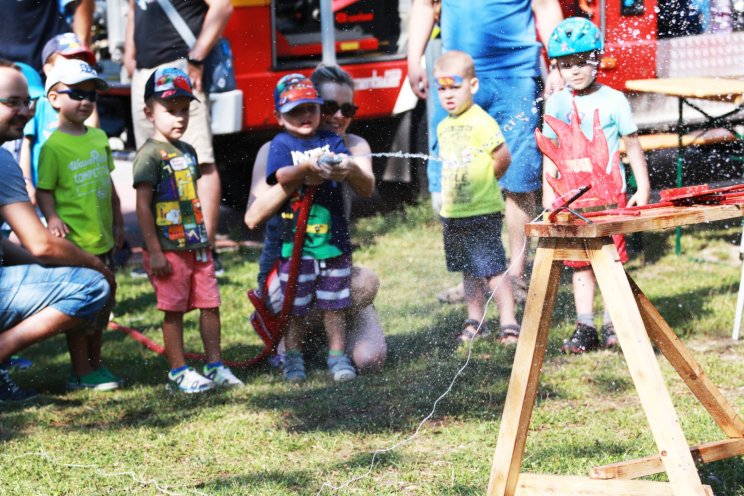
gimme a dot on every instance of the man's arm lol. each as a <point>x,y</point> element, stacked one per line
<point>548,15</point>
<point>215,21</point>
<point>501,160</point>
<point>130,51</point>
<point>420,24</point>
<point>82,20</point>
<point>46,248</point>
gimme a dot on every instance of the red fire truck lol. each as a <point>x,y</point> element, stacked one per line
<point>665,38</point>
<point>271,38</point>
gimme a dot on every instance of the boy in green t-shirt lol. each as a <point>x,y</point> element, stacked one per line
<point>177,255</point>
<point>474,155</point>
<point>78,199</point>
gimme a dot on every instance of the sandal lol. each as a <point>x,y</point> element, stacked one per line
<point>470,331</point>
<point>509,335</point>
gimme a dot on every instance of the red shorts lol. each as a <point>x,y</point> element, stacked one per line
<point>192,284</point>
<point>619,241</point>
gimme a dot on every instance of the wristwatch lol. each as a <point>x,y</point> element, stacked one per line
<point>195,62</point>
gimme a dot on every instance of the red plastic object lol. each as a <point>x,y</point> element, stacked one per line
<point>582,162</point>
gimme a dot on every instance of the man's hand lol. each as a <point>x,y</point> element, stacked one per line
<point>159,265</point>
<point>553,83</point>
<point>196,74</point>
<point>417,78</point>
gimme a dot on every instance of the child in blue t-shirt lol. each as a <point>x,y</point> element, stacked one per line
<point>325,271</point>
<point>576,46</point>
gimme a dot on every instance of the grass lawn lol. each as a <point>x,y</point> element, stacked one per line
<point>270,438</point>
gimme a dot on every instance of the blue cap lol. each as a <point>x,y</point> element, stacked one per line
<point>293,90</point>
<point>35,86</point>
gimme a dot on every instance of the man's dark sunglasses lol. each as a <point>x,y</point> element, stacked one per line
<point>79,95</point>
<point>329,107</point>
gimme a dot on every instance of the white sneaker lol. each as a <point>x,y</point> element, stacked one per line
<point>222,376</point>
<point>190,381</point>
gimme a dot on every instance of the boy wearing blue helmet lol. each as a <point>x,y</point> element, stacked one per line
<point>575,46</point>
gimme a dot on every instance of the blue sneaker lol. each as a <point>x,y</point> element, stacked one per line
<point>190,381</point>
<point>18,363</point>
<point>340,368</point>
<point>10,391</point>
<point>294,368</point>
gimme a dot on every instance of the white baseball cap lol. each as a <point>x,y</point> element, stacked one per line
<point>73,71</point>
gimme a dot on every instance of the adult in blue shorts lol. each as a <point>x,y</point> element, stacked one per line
<point>500,36</point>
<point>37,300</point>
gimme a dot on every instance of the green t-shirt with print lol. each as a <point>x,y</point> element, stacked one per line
<point>469,186</point>
<point>77,170</point>
<point>172,169</point>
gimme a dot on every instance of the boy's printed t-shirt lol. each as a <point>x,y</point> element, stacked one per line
<point>77,170</point>
<point>172,169</point>
<point>615,116</point>
<point>469,186</point>
<point>327,233</point>
<point>43,124</point>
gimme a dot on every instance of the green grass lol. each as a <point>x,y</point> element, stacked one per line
<point>270,438</point>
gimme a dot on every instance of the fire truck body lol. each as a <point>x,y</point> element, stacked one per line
<point>647,39</point>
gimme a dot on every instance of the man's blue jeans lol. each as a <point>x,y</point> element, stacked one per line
<point>27,289</point>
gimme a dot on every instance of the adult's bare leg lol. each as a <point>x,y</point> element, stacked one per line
<point>42,325</point>
<point>520,209</point>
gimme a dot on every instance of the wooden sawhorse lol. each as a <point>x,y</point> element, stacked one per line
<point>635,320</point>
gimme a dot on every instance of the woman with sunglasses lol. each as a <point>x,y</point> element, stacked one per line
<point>365,340</point>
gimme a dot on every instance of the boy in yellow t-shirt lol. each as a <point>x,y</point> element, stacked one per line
<point>474,155</point>
<point>78,199</point>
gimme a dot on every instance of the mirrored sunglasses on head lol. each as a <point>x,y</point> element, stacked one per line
<point>452,81</point>
<point>330,107</point>
<point>79,95</point>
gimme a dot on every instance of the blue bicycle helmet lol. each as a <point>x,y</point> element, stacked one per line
<point>574,35</point>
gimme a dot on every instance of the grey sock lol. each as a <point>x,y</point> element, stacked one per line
<point>585,318</point>
<point>606,319</point>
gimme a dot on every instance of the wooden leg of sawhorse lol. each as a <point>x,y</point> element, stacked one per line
<point>687,367</point>
<point>528,359</point>
<point>644,369</point>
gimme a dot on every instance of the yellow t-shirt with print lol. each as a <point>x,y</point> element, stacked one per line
<point>469,186</point>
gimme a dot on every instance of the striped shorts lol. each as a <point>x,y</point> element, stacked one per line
<point>326,281</point>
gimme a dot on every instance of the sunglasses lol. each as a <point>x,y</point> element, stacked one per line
<point>16,103</point>
<point>330,107</point>
<point>80,95</point>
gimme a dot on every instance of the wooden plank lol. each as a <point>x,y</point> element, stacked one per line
<point>714,89</point>
<point>654,219</point>
<point>523,382</point>
<point>562,485</point>
<point>664,141</point>
<point>687,367</point>
<point>571,249</point>
<point>702,453</point>
<point>644,369</point>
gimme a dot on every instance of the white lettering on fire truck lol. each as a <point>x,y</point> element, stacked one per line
<point>391,79</point>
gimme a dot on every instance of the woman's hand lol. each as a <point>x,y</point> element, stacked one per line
<point>340,171</point>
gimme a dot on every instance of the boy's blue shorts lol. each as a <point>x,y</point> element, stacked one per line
<point>472,245</point>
